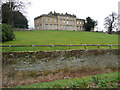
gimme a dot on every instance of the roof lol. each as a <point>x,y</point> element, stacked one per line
<point>55,15</point>
<point>44,16</point>
<point>80,19</point>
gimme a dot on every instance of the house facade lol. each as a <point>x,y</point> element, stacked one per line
<point>57,21</point>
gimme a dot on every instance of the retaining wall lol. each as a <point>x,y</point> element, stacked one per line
<point>40,61</point>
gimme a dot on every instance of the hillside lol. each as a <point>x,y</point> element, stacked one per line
<point>61,38</point>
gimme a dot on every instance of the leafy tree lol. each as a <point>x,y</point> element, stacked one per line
<point>7,33</point>
<point>89,24</point>
<point>111,22</point>
<point>20,20</point>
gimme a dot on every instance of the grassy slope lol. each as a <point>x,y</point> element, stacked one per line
<point>67,82</point>
<point>61,38</point>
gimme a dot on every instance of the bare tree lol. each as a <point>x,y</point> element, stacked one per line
<point>111,22</point>
<point>18,5</point>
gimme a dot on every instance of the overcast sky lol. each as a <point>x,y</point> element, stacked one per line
<point>96,9</point>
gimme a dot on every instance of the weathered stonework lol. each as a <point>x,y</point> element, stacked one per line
<point>40,61</point>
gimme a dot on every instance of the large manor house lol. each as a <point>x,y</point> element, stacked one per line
<point>57,21</point>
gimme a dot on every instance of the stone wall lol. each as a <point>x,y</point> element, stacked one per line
<point>40,61</point>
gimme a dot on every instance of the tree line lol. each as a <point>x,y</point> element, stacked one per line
<point>110,23</point>
<point>12,18</point>
<point>11,15</point>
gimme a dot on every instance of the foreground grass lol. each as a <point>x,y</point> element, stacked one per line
<point>109,80</point>
<point>45,37</point>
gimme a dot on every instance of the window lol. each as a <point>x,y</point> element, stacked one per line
<point>70,22</point>
<point>60,21</point>
<point>40,19</point>
<point>70,27</point>
<point>46,26</point>
<point>77,28</point>
<point>63,21</point>
<point>73,27</point>
<point>81,28</point>
<point>67,27</point>
<point>67,22</point>
<point>67,17</point>
<point>51,26</point>
<point>40,26</point>
<point>61,27</point>
<point>77,22</point>
<point>73,22</point>
<point>37,21</point>
<point>64,17</point>
<point>80,23</point>
<point>37,26</point>
<point>51,20</point>
<point>46,19</point>
<point>55,27</point>
<point>64,27</point>
<point>54,20</point>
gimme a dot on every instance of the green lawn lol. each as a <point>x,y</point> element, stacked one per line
<point>46,37</point>
<point>109,80</point>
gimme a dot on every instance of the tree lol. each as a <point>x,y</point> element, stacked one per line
<point>89,24</point>
<point>7,33</point>
<point>18,5</point>
<point>13,17</point>
<point>20,20</point>
<point>111,22</point>
<point>10,7</point>
<point>6,14</point>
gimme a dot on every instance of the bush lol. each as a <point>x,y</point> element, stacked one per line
<point>7,33</point>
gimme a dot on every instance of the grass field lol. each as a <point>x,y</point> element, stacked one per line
<point>45,37</point>
<point>109,80</point>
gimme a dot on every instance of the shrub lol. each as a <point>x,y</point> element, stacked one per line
<point>96,79</point>
<point>7,33</point>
